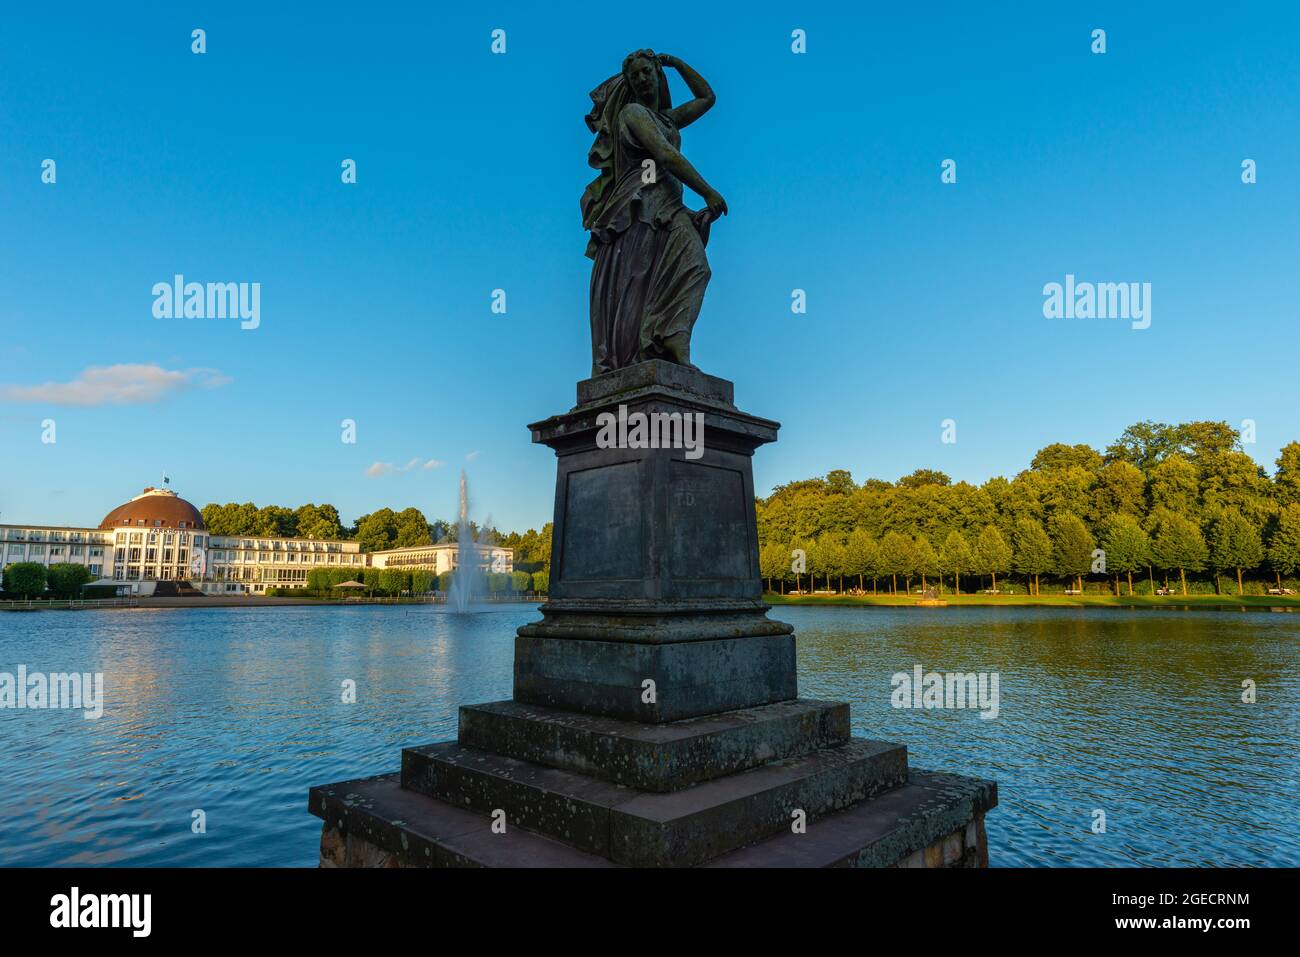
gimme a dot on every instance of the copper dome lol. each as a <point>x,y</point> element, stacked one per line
<point>155,508</point>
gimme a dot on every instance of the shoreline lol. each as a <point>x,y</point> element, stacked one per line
<point>1239,602</point>
<point>219,601</point>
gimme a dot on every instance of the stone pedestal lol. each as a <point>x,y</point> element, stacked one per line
<point>656,719</point>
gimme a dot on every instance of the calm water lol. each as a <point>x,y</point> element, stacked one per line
<point>238,711</point>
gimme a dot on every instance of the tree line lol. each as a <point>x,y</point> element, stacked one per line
<point>1180,504</point>
<point>374,531</point>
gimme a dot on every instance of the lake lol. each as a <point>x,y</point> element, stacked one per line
<point>235,712</point>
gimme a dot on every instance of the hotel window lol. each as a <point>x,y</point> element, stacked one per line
<point>119,573</point>
<point>78,550</point>
<point>35,550</point>
<point>183,555</point>
<point>96,570</point>
<point>167,556</point>
<point>134,554</point>
<point>151,554</point>
<point>184,537</point>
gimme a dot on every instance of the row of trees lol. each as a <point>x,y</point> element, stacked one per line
<point>375,531</point>
<point>1176,500</point>
<point>32,580</point>
<point>395,581</point>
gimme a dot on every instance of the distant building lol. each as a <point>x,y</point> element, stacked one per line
<point>159,537</point>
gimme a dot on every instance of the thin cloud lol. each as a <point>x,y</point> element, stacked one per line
<point>473,455</point>
<point>123,384</point>
<point>377,469</point>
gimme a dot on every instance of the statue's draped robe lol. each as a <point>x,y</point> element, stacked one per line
<point>650,272</point>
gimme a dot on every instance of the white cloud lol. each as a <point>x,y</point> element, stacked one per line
<point>472,455</point>
<point>388,468</point>
<point>124,384</point>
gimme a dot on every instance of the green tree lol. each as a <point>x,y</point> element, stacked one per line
<point>895,558</point>
<point>926,559</point>
<point>25,579</point>
<point>65,579</point>
<point>1178,543</point>
<point>1283,542</point>
<point>772,562</point>
<point>861,557</point>
<point>1126,546</point>
<point>410,527</point>
<point>1033,551</point>
<point>1234,543</point>
<point>1286,481</point>
<point>1072,546</point>
<point>318,521</point>
<point>519,582</point>
<point>275,521</point>
<point>394,581</point>
<point>377,530</point>
<point>541,582</point>
<point>992,553</point>
<point>956,557</point>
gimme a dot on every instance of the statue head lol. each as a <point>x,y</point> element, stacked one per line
<point>645,79</point>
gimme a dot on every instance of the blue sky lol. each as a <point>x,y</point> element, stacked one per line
<point>924,299</point>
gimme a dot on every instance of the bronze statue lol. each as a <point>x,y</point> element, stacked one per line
<point>650,271</point>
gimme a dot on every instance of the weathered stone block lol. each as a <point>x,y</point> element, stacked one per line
<point>641,828</point>
<point>654,757</point>
<point>689,678</point>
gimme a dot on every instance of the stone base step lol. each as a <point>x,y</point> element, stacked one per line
<point>935,820</point>
<point>654,757</point>
<point>375,822</point>
<point>649,829</point>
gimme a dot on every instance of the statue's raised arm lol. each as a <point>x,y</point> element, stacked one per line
<point>650,270</point>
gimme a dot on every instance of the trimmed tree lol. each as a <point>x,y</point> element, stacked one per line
<point>926,558</point>
<point>66,578</point>
<point>1072,546</point>
<point>861,556</point>
<point>895,558</point>
<point>26,579</point>
<point>1127,547</point>
<point>1284,543</point>
<point>1234,543</point>
<point>1033,550</point>
<point>956,557</point>
<point>992,553</point>
<point>1178,544</point>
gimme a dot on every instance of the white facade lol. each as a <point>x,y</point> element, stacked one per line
<point>442,558</point>
<point>137,553</point>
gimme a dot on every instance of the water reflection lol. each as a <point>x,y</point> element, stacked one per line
<point>238,711</point>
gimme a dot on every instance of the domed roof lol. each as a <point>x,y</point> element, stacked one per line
<point>155,508</point>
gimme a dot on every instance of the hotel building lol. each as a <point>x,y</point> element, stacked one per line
<point>158,544</point>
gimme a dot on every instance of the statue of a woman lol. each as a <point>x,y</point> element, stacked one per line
<point>650,271</point>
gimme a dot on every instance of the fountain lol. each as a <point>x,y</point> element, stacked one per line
<point>467,582</point>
